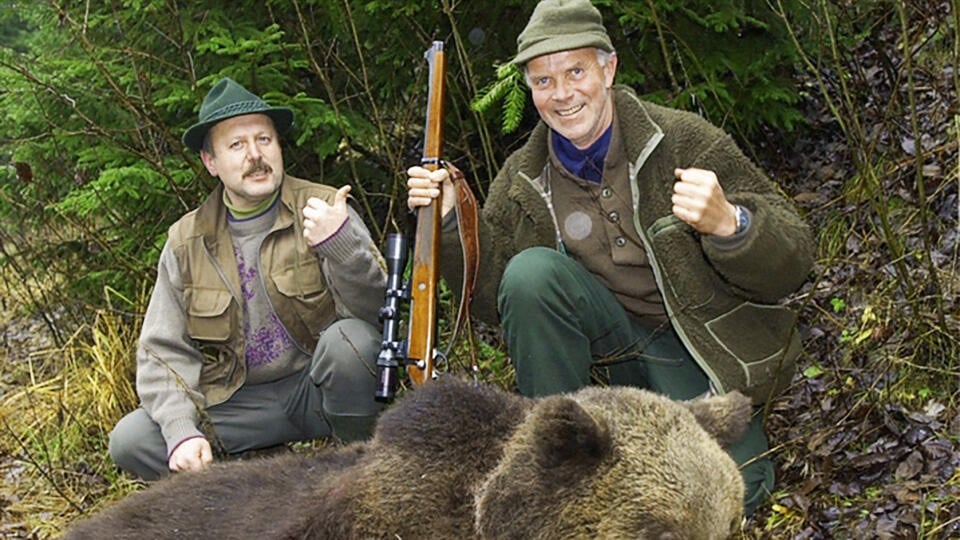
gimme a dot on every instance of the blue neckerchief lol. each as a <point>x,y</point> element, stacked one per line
<point>586,164</point>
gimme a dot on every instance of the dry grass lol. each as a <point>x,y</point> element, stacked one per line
<point>54,427</point>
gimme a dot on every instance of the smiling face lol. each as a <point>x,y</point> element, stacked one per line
<point>244,151</point>
<point>573,93</point>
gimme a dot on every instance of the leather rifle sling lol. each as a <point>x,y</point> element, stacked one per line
<point>467,211</point>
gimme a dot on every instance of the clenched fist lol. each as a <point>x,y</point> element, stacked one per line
<point>191,455</point>
<point>698,200</point>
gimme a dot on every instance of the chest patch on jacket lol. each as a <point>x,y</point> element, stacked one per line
<point>577,225</point>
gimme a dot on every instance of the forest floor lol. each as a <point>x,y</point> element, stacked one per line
<point>867,438</point>
<point>22,338</point>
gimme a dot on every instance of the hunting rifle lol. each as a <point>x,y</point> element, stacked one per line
<point>418,353</point>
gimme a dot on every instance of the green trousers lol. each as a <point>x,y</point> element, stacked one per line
<point>565,330</point>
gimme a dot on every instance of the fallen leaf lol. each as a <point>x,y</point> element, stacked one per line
<point>910,467</point>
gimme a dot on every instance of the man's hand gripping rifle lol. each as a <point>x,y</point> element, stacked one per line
<point>418,352</point>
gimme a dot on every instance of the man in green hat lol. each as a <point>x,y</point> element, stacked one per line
<point>632,244</point>
<point>262,327</point>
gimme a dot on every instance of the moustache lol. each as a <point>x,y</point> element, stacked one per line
<point>258,168</point>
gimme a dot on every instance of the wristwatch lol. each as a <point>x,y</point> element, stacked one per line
<point>743,219</point>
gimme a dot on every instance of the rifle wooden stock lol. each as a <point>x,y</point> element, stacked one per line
<point>425,273</point>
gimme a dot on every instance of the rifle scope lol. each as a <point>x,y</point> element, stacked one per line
<point>392,350</point>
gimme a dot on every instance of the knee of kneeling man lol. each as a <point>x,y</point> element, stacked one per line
<point>348,347</point>
<point>133,433</point>
<point>530,270</point>
<point>350,340</point>
<point>123,450</point>
<point>122,443</point>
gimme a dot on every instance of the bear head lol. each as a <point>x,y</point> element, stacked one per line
<point>618,463</point>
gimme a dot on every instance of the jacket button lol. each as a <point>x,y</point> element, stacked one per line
<point>620,241</point>
<point>614,216</point>
<point>606,193</point>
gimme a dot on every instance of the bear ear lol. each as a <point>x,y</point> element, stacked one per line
<point>565,433</point>
<point>725,417</point>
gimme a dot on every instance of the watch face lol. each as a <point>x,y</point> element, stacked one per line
<point>743,219</point>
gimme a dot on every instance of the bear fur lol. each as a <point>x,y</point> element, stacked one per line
<point>456,460</point>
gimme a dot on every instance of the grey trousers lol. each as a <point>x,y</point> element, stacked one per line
<point>332,396</point>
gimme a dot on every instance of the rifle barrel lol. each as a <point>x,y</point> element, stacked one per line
<point>421,343</point>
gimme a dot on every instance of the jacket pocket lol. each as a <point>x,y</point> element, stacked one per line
<point>683,266</point>
<point>754,333</point>
<point>308,294</point>
<point>763,340</point>
<point>303,281</point>
<point>208,314</point>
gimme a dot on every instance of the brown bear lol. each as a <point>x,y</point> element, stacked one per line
<point>457,460</point>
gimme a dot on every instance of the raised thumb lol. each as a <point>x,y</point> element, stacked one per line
<point>341,197</point>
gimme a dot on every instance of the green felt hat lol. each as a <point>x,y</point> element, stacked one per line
<point>228,99</point>
<point>561,25</point>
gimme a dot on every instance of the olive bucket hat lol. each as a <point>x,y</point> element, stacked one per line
<point>561,25</point>
<point>228,99</point>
